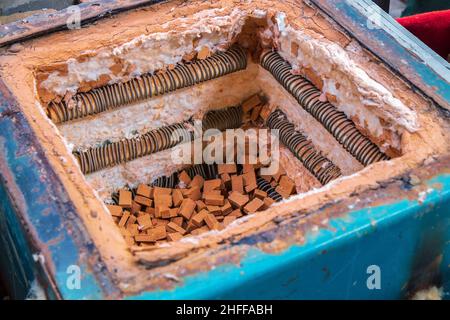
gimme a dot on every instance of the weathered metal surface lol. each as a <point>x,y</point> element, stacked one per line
<point>38,25</point>
<point>41,231</point>
<point>8,7</point>
<point>394,45</point>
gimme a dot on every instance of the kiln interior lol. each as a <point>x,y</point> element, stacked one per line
<point>122,135</point>
<point>260,74</point>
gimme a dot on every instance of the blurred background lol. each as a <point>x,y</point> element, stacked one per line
<point>421,6</point>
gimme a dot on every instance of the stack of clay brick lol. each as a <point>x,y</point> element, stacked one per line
<point>154,214</point>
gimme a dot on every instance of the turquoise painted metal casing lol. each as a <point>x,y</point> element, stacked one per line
<point>408,241</point>
<point>399,231</point>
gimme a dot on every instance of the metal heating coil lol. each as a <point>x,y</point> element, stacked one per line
<point>322,168</point>
<point>228,118</point>
<point>206,171</point>
<point>111,154</point>
<point>335,121</point>
<point>144,87</point>
<point>266,187</point>
<point>166,181</point>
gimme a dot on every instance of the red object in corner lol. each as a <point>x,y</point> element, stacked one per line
<point>433,28</point>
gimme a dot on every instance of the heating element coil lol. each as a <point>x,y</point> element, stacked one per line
<point>206,171</point>
<point>222,119</point>
<point>322,168</point>
<point>112,154</point>
<point>266,187</point>
<point>335,121</point>
<point>144,87</point>
<point>166,181</point>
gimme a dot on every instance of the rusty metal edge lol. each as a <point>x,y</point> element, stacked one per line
<point>41,24</point>
<point>42,205</point>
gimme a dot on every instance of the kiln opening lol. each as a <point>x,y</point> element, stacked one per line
<point>124,135</point>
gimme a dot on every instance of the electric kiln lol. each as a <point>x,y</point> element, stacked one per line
<point>88,119</point>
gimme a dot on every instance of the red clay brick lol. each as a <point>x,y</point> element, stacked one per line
<point>253,206</point>
<point>198,219</point>
<point>226,208</point>
<point>116,211</point>
<point>250,103</point>
<point>187,208</point>
<point>260,194</point>
<point>145,222</point>
<point>177,220</point>
<point>184,178</point>
<point>235,213</point>
<point>135,207</point>
<point>227,168</point>
<point>125,198</point>
<point>237,199</point>
<point>143,201</point>
<point>267,203</point>
<point>145,191</point>
<point>133,228</point>
<point>177,197</point>
<point>237,184</point>
<point>209,185</point>
<point>212,222</point>
<point>194,193</point>
<point>215,210</point>
<point>157,191</point>
<point>200,205</point>
<point>173,227</point>
<point>228,219</point>
<point>163,200</point>
<point>174,236</point>
<point>215,200</point>
<point>157,233</point>
<point>197,181</point>
<point>287,184</point>
<point>198,231</point>
<point>255,113</point>
<point>144,238</point>
<point>124,219</point>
